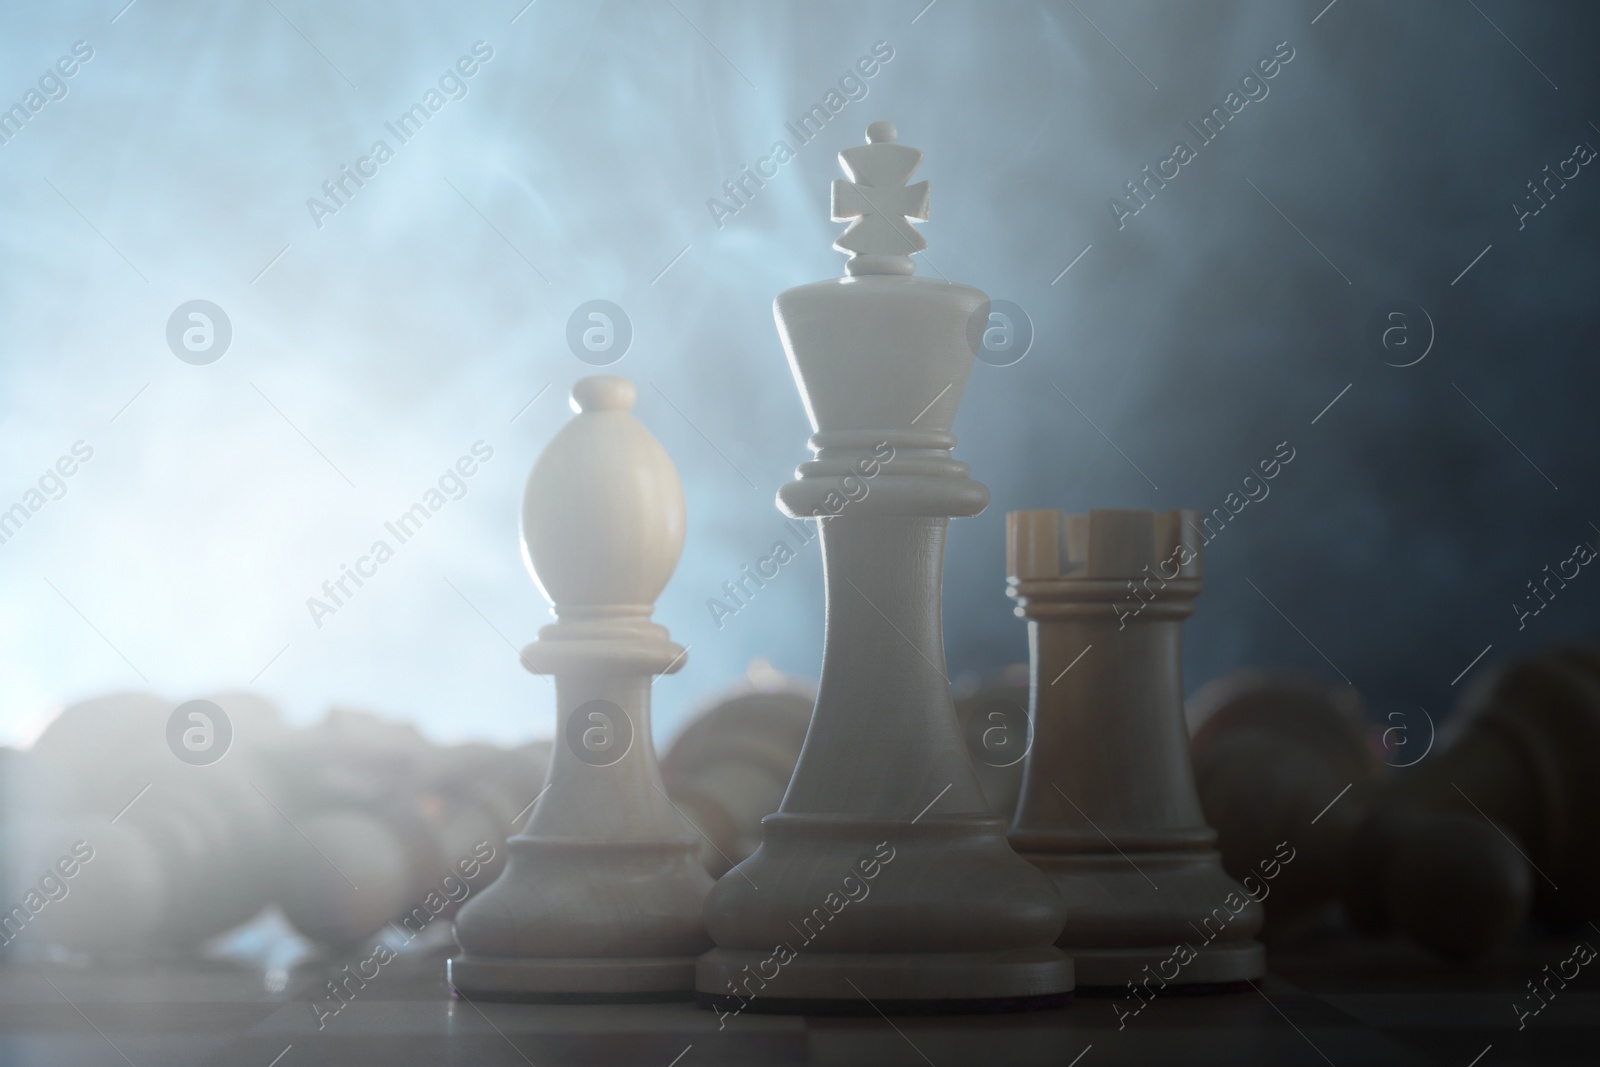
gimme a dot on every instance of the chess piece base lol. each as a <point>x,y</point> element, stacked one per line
<point>1224,968</point>
<point>551,979</point>
<point>817,983</point>
<point>946,912</point>
<point>989,1006</point>
<point>1119,922</point>
<point>1193,989</point>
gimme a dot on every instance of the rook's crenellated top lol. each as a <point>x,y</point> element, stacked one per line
<point>1111,543</point>
<point>1116,564</point>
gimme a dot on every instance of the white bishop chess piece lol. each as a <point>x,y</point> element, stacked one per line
<point>1108,807</point>
<point>883,879</point>
<point>602,893</point>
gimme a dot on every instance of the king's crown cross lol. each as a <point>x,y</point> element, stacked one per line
<point>878,204</point>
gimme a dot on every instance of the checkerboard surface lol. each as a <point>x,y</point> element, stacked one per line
<point>1351,1004</point>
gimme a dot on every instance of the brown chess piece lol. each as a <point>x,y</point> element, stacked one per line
<point>1109,809</point>
<point>1283,757</point>
<point>1508,811</point>
<point>1449,853</point>
<point>729,768</point>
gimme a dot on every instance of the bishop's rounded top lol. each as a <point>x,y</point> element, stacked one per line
<point>603,392</point>
<point>603,510</point>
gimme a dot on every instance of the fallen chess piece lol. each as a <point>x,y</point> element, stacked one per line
<point>348,786</point>
<point>1283,757</point>
<point>42,851</point>
<point>181,852</point>
<point>1508,812</point>
<point>381,817</point>
<point>730,766</point>
<point>1452,853</point>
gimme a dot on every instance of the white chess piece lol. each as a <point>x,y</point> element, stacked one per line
<point>1108,807</point>
<point>182,852</point>
<point>602,892</point>
<point>883,877</point>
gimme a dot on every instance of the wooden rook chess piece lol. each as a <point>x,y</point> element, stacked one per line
<point>1108,804</point>
<point>602,893</point>
<point>883,879</point>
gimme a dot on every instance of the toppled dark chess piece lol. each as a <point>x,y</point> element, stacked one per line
<point>1451,853</point>
<point>1522,771</point>
<point>1283,757</point>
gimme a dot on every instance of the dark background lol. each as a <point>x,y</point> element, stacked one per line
<point>426,313</point>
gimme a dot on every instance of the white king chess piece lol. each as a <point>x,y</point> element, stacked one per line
<point>602,892</point>
<point>883,877</point>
